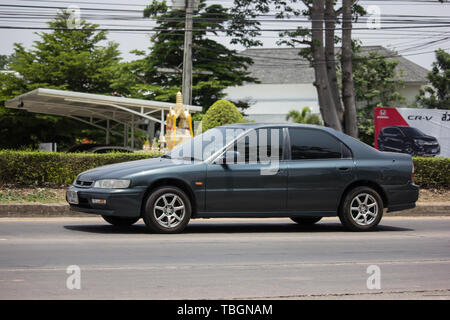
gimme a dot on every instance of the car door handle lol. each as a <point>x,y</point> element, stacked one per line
<point>343,169</point>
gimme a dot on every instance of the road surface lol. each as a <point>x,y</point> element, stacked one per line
<point>224,258</point>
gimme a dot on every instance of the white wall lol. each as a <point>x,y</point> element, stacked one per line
<point>410,92</point>
<point>273,101</point>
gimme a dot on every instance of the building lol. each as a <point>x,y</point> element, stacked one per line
<point>286,82</point>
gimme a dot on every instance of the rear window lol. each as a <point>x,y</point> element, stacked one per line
<point>316,144</point>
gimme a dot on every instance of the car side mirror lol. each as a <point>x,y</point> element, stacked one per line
<point>228,157</point>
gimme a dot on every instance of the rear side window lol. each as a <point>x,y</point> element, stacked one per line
<point>316,144</point>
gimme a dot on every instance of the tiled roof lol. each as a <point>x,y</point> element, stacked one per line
<point>284,65</point>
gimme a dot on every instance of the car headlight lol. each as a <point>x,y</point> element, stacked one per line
<point>112,184</point>
<point>419,142</point>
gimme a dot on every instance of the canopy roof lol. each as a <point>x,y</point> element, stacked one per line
<point>77,104</point>
<point>94,109</point>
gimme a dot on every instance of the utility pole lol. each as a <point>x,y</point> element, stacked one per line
<point>187,57</point>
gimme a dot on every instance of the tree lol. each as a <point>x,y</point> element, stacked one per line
<point>375,86</point>
<point>158,74</point>
<point>348,91</point>
<point>70,59</point>
<point>326,101</point>
<point>220,113</point>
<point>320,41</point>
<point>304,116</point>
<point>4,61</point>
<point>437,96</point>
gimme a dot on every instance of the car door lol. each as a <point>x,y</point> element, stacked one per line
<point>319,169</point>
<point>249,183</point>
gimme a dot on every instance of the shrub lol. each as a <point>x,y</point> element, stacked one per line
<point>432,172</point>
<point>220,113</point>
<point>54,169</point>
<point>32,168</point>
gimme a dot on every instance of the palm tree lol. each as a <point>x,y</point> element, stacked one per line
<point>304,117</point>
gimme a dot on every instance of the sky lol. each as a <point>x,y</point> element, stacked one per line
<point>416,44</point>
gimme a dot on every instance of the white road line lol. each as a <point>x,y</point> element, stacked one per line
<point>245,266</point>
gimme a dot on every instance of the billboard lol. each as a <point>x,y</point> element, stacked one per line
<point>419,132</point>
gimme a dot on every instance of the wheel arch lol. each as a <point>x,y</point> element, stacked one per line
<point>170,182</point>
<point>364,183</point>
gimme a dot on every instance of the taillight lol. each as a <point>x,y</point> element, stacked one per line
<point>412,173</point>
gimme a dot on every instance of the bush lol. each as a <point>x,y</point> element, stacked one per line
<point>432,172</point>
<point>54,169</point>
<point>32,168</point>
<point>220,113</point>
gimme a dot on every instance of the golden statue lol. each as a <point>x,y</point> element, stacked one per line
<point>181,132</point>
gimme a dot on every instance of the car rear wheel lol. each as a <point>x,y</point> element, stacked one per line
<point>167,210</point>
<point>361,210</point>
<point>120,221</point>
<point>306,221</point>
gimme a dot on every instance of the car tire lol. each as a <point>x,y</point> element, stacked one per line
<point>167,210</point>
<point>306,221</point>
<point>409,149</point>
<point>361,209</point>
<point>120,221</point>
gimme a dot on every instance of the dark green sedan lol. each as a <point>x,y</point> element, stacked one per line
<point>302,172</point>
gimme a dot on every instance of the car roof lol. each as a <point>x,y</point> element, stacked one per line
<point>396,127</point>
<point>247,125</point>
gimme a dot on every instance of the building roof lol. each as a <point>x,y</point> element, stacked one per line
<point>284,65</point>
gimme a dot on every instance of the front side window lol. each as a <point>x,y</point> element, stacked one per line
<point>315,144</point>
<point>260,145</point>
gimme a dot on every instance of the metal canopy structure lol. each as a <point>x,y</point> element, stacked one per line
<point>95,109</point>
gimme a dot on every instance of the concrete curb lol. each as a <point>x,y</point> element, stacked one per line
<point>39,210</point>
<point>62,210</point>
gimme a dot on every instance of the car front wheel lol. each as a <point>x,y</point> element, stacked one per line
<point>120,221</point>
<point>361,210</point>
<point>167,210</point>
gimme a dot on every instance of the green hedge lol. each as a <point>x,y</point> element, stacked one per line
<point>54,169</point>
<point>432,172</point>
<point>57,169</point>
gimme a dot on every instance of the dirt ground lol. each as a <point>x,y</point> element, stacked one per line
<point>53,195</point>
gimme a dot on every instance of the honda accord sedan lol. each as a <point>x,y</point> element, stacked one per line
<point>302,172</point>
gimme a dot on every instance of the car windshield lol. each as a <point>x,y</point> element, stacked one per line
<point>204,145</point>
<point>412,132</point>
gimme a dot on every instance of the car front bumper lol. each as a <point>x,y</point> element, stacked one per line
<point>119,202</point>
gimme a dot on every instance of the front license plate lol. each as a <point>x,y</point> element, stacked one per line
<point>72,197</point>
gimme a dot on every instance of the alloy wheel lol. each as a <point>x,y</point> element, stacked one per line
<point>169,210</point>
<point>364,209</point>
